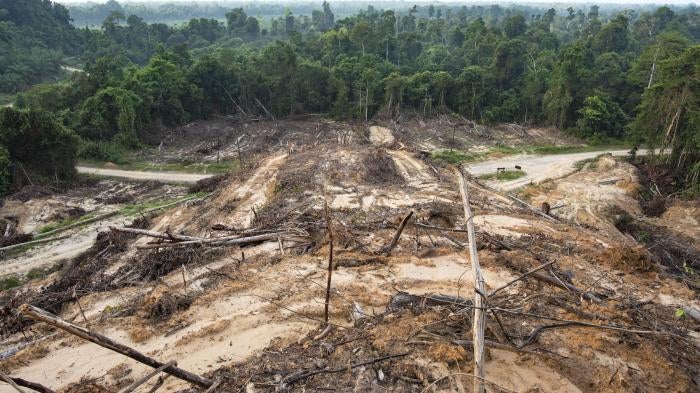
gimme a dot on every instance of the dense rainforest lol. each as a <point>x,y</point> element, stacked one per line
<point>603,74</point>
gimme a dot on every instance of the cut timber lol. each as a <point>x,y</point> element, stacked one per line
<point>146,377</point>
<point>106,342</point>
<point>397,235</point>
<point>223,241</point>
<point>160,235</point>
<point>479,322</point>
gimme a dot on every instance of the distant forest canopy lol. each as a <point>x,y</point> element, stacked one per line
<point>605,76</point>
<point>93,13</point>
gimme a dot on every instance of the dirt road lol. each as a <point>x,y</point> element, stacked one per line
<point>536,167</point>
<point>164,177</point>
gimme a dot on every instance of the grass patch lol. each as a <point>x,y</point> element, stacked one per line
<point>220,167</point>
<point>36,273</point>
<point>545,149</point>
<point>9,283</point>
<point>130,210</point>
<point>454,156</point>
<point>503,176</point>
<point>505,149</point>
<point>558,149</point>
<point>63,223</point>
<point>41,272</point>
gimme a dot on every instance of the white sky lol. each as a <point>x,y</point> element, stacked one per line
<point>408,2</point>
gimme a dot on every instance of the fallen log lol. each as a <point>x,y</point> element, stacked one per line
<point>148,212</point>
<point>160,235</point>
<point>106,342</point>
<point>404,300</point>
<point>397,235</point>
<point>222,241</point>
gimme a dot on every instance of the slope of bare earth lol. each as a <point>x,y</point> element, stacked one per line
<point>106,196</point>
<point>601,318</point>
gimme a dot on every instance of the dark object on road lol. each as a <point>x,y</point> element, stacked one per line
<point>518,167</point>
<point>500,170</point>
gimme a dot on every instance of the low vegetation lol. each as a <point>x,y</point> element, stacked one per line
<point>135,209</point>
<point>454,156</point>
<point>63,223</point>
<point>503,175</point>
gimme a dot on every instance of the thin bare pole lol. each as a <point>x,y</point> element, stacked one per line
<point>330,261</point>
<point>479,322</point>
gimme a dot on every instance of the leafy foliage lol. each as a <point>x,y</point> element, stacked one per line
<point>35,144</point>
<point>588,72</point>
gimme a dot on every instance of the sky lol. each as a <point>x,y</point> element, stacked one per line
<point>503,3</point>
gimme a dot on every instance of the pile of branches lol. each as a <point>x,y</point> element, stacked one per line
<point>380,168</point>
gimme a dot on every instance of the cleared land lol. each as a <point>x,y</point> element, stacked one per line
<point>186,285</point>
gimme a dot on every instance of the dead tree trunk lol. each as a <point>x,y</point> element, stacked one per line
<point>479,322</point>
<point>106,342</point>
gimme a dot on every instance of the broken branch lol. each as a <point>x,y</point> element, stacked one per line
<point>520,277</point>
<point>146,377</point>
<point>395,239</point>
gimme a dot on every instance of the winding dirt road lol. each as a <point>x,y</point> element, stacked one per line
<point>164,177</point>
<point>537,168</point>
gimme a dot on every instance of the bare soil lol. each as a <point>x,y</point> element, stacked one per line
<point>602,318</point>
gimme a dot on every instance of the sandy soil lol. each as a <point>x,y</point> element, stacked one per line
<point>586,196</point>
<point>164,177</point>
<point>537,168</point>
